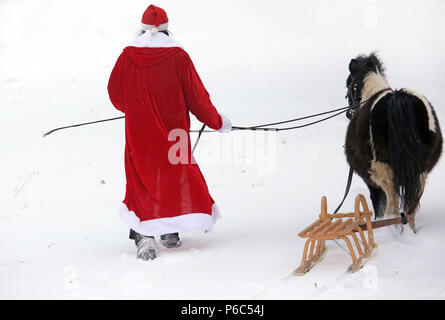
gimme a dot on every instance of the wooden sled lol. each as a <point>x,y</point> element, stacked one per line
<point>340,226</point>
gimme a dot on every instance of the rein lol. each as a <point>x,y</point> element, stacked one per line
<point>199,137</point>
<point>264,127</point>
<point>349,110</point>
<point>351,95</point>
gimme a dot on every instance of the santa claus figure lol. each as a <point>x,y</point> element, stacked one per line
<point>156,85</point>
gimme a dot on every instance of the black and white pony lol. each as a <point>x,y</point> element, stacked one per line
<point>393,140</point>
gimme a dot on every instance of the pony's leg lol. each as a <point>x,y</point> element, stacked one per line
<point>412,219</point>
<point>378,198</point>
<point>382,175</point>
<point>411,216</point>
<point>392,199</point>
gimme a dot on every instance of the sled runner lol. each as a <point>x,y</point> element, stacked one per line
<point>339,226</point>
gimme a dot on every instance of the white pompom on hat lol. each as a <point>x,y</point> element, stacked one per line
<point>154,19</point>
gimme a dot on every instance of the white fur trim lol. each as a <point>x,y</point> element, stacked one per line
<point>182,223</point>
<point>157,40</point>
<point>161,27</point>
<point>226,124</point>
<point>431,122</point>
<point>373,83</point>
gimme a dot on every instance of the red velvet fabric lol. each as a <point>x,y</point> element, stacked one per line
<point>154,16</point>
<point>156,88</point>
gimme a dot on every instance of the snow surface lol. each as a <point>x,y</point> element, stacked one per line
<point>262,61</point>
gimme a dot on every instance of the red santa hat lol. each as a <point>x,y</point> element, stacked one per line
<point>154,19</point>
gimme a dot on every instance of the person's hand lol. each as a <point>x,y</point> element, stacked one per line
<point>227,124</point>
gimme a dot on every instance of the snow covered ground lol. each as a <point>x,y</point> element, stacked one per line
<point>262,61</point>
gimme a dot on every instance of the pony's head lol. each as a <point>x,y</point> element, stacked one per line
<point>359,68</point>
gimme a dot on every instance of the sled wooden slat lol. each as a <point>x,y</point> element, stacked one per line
<point>313,228</point>
<point>334,231</point>
<point>346,226</point>
<point>335,225</point>
<point>310,228</point>
<point>323,226</point>
<point>339,226</point>
<point>325,230</point>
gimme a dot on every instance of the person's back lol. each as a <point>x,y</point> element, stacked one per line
<point>155,83</point>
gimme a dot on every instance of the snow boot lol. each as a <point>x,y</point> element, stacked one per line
<point>147,249</point>
<point>171,240</point>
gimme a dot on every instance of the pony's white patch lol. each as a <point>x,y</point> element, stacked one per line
<point>373,83</point>
<point>429,109</point>
<point>382,174</point>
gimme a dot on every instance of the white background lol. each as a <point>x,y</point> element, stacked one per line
<point>261,61</point>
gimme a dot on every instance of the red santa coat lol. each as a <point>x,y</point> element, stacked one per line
<point>155,84</point>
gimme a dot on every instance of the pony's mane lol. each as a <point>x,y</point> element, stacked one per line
<point>372,61</point>
<point>373,82</point>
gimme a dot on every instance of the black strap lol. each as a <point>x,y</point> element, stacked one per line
<point>348,187</point>
<point>298,119</point>
<point>82,124</point>
<point>403,217</point>
<point>257,127</point>
<point>263,128</point>
<point>199,137</point>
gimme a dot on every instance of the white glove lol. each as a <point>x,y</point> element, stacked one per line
<point>227,124</point>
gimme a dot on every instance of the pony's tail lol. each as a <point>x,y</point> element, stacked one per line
<point>405,149</point>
